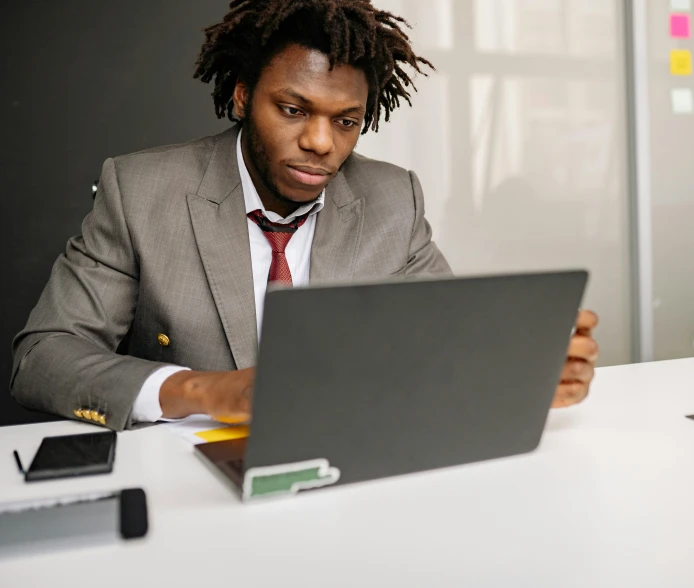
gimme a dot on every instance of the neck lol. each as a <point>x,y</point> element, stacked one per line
<point>270,200</point>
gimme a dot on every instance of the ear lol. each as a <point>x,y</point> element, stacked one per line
<point>241,95</point>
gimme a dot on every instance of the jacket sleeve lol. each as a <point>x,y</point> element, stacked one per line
<point>424,258</point>
<point>65,360</point>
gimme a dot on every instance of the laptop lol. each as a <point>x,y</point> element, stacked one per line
<point>359,382</point>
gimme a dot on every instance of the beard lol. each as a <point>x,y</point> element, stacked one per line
<point>261,161</point>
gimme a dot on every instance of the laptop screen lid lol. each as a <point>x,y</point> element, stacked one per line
<point>386,379</point>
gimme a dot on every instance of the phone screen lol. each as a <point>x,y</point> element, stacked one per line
<point>73,455</point>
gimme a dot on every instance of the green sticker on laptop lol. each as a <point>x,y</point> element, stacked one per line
<point>287,479</point>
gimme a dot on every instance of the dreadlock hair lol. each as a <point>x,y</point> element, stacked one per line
<point>348,32</point>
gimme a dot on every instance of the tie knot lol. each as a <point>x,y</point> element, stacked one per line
<point>278,236</point>
<point>278,241</point>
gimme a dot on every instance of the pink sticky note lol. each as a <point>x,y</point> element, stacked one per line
<point>679,26</point>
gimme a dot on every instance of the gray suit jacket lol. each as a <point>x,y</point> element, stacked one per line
<point>165,250</point>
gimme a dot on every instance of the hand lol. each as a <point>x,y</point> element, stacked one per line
<point>579,368</point>
<point>220,394</point>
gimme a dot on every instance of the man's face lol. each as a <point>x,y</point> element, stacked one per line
<point>302,123</point>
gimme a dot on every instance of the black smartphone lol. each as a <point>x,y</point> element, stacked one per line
<point>44,525</point>
<point>73,455</point>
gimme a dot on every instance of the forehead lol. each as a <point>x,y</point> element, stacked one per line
<point>307,72</point>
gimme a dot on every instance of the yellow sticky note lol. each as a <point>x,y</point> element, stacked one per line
<point>680,62</point>
<point>233,419</point>
<point>224,434</point>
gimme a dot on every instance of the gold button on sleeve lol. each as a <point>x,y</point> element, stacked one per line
<point>163,340</point>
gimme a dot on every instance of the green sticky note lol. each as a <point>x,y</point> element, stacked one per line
<point>287,479</point>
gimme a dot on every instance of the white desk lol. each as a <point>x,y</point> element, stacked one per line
<point>607,500</point>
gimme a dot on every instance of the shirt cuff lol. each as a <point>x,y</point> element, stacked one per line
<point>147,408</point>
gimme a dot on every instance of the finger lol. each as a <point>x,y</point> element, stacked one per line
<point>586,321</point>
<point>582,347</point>
<point>233,419</point>
<point>240,401</point>
<point>232,397</point>
<point>577,370</point>
<point>231,410</point>
<point>239,391</point>
<point>569,393</point>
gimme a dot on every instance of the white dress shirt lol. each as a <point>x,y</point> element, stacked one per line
<point>147,407</point>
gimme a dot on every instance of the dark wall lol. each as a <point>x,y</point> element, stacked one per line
<point>83,81</point>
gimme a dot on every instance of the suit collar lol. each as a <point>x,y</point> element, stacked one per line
<point>222,174</point>
<point>338,233</point>
<point>218,215</point>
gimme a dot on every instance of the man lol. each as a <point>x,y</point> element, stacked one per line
<point>154,311</point>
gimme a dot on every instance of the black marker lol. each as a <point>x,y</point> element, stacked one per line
<point>19,462</point>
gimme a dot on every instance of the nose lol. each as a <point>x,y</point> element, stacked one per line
<point>317,136</point>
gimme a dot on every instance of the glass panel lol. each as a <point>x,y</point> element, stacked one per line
<point>519,140</point>
<point>554,27</point>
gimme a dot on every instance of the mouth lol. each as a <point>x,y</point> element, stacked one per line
<point>309,176</point>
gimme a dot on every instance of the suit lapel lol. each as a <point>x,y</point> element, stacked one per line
<point>338,232</point>
<point>218,214</point>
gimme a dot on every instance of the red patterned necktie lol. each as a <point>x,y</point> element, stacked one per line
<point>278,235</point>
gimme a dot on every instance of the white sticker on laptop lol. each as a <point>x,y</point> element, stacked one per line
<point>286,479</point>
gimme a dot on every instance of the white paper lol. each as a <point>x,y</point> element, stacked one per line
<point>186,428</point>
<point>682,101</point>
<point>681,5</point>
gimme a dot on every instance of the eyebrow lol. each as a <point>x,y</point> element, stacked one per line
<point>289,92</point>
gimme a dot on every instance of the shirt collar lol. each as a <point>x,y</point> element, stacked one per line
<point>253,201</point>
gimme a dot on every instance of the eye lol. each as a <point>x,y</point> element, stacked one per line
<point>345,122</point>
<point>290,110</point>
